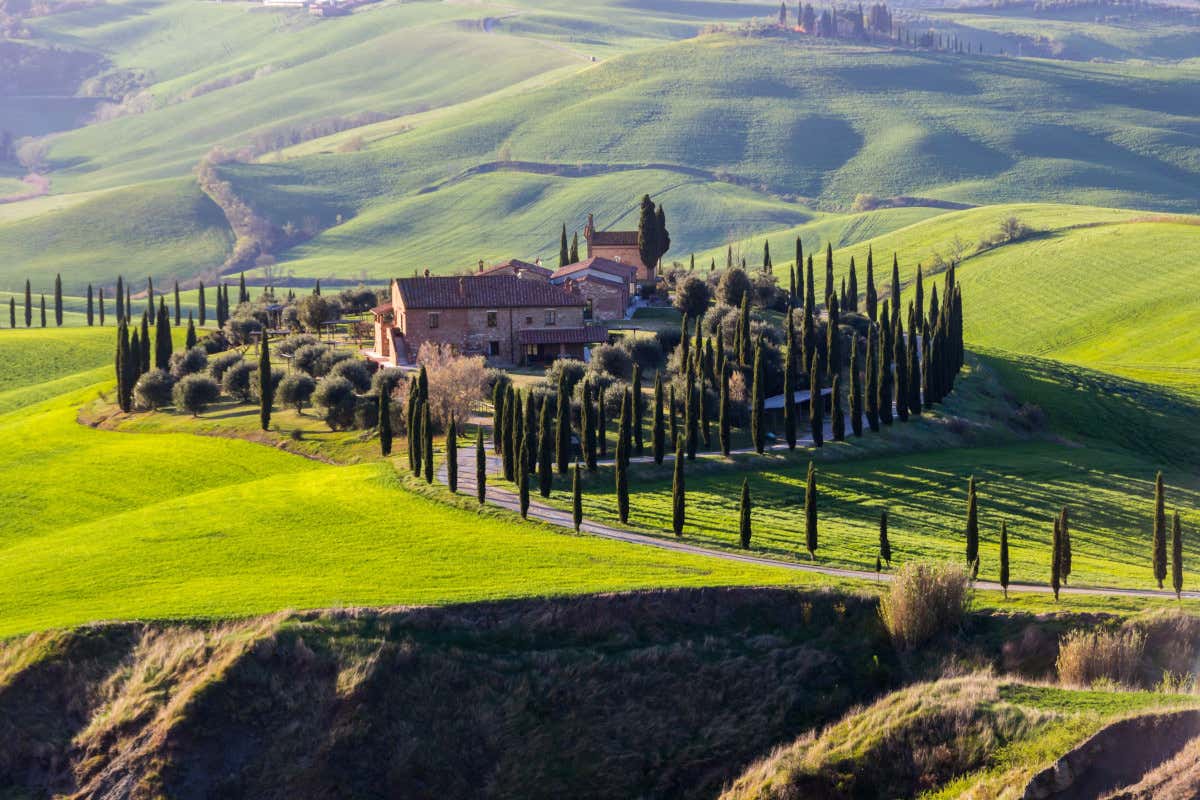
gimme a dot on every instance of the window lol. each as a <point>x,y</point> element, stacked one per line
<point>551,316</point>
<point>587,310</point>
<point>433,319</point>
<point>491,319</point>
<point>529,320</point>
<point>531,350</point>
<point>493,348</point>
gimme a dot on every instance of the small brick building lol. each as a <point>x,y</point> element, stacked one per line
<point>507,318</point>
<point>619,246</point>
<point>605,286</point>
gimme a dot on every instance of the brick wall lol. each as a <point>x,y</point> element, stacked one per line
<point>609,300</point>
<point>626,254</point>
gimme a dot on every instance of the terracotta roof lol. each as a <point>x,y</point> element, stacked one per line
<point>599,264</point>
<point>487,291</point>
<point>623,238</point>
<point>586,335</point>
<point>382,309</point>
<point>515,264</point>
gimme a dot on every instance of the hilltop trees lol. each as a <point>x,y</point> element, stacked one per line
<point>654,240</point>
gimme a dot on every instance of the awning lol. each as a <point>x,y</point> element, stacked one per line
<point>587,335</point>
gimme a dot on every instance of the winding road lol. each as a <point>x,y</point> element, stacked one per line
<point>500,495</point>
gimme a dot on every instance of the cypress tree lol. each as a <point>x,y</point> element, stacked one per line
<point>1065,560</point>
<point>1004,557</point>
<point>816,405</point>
<point>523,479</point>
<point>744,330</point>
<point>810,295</point>
<point>913,380</point>
<point>576,499</point>
<point>427,444</point>
<point>562,429</point>
<point>587,411</point>
<point>885,546</point>
<point>789,382</point>
<point>833,340</point>
<point>121,315</point>
<point>690,424</point>
<point>703,412</point>
<point>499,395</point>
<point>1160,531</point>
<point>190,339</point>
<point>43,311</point>
<point>100,304</point>
<point>744,515</point>
<point>839,417</point>
<point>856,400</point>
<point>872,295</point>
<point>530,431</point>
<point>243,293</point>
<point>842,298</point>
<point>28,305</point>
<point>758,420</point>
<point>129,301</point>
<point>564,253</point>
<point>90,307</point>
<point>480,467</point>
<point>12,312</point>
<point>317,288</point>
<point>150,296</point>
<point>58,301</point>
<point>203,306</point>
<point>512,431</point>
<point>920,294</point>
<point>972,523</point>
<point>1056,561</point>
<point>266,389</point>
<point>808,339</point>
<point>412,427</point>
<point>798,288</point>
<point>829,287</point>
<point>1177,557</point>
<point>134,362</point>
<point>685,343</point>
<point>620,466</point>
<point>546,452</point>
<point>872,376</point>
<point>639,403</point>
<point>178,310</point>
<point>791,288</point>
<point>723,424</point>
<point>601,424</point>
<point>810,512</point>
<point>145,345</point>
<point>901,360</point>
<point>658,434</point>
<point>451,454</point>
<point>895,283</point>
<point>162,339</point>
<point>122,366</point>
<point>678,492</point>
<point>853,295</point>
<point>385,418</point>
<point>883,353</point>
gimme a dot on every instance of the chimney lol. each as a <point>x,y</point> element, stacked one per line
<point>590,228</point>
<point>537,263</point>
<point>427,272</point>
<point>481,265</point>
<point>462,287</point>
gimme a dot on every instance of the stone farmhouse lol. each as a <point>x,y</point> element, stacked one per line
<point>619,246</point>
<point>508,318</point>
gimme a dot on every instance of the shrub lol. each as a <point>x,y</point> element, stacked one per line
<point>236,380</point>
<point>456,382</point>
<point>924,600</point>
<point>366,413</point>
<point>1097,656</point>
<point>290,344</point>
<point>492,377</point>
<point>386,380</point>
<point>733,285</point>
<point>311,358</point>
<point>358,299</point>
<point>153,390</point>
<point>668,339</point>
<point>256,383</point>
<point>195,393</point>
<point>353,370</point>
<point>315,309</point>
<point>693,296</point>
<point>187,362</point>
<point>218,365</point>
<point>240,329</point>
<point>569,368</point>
<point>214,343</point>
<point>296,389</point>
<point>612,361</point>
<point>646,351</point>
<point>335,397</point>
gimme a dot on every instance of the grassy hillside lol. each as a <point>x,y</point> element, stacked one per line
<point>167,230</point>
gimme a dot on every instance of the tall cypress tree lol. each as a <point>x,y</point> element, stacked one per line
<point>576,499</point>
<point>162,339</point>
<point>1160,531</point>
<point>789,382</point>
<point>266,388</point>
<point>883,353</point>
<point>856,399</point>
<point>829,287</point>
<point>833,340</point>
<point>972,523</point>
<point>810,512</point>
<point>816,405</point>
<point>574,254</point>
<point>658,433</point>
<point>1056,561</point>
<point>852,306</point>
<point>100,304</point>
<point>28,305</point>
<point>920,294</point>
<point>1177,557</point>
<point>203,305</point>
<point>385,419</point>
<point>507,461</point>
<point>885,546</point>
<point>1065,560</point>
<point>43,311</point>
<point>135,359</point>
<point>120,310</point>
<point>562,448</point>
<point>564,253</point>
<point>1004,557</point>
<point>412,427</point>
<point>872,376</point>
<point>744,330</point>
<point>839,416</point>
<point>90,307</point>
<point>872,295</point>
<point>744,515</point>
<point>516,431</point>
<point>601,424</point>
<point>451,455</point>
<point>913,380</point>
<point>895,282</point>
<point>810,295</point>
<point>639,404</point>
<point>620,466</point>
<point>427,444</point>
<point>758,421</point>
<point>122,366</point>
<point>243,292</point>
<point>129,301</point>
<point>546,446</point>
<point>798,289</point>
<point>530,431</point>
<point>150,296</point>
<point>678,492</point>
<point>480,467</point>
<point>672,425</point>
<point>58,301</point>
<point>690,425</point>
<point>12,312</point>
<point>587,411</point>
<point>723,423</point>
<point>523,479</point>
<point>900,348</point>
<point>499,395</point>
<point>190,337</point>
<point>178,307</point>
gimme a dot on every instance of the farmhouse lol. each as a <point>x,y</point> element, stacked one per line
<point>605,286</point>
<point>619,246</point>
<point>510,319</point>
